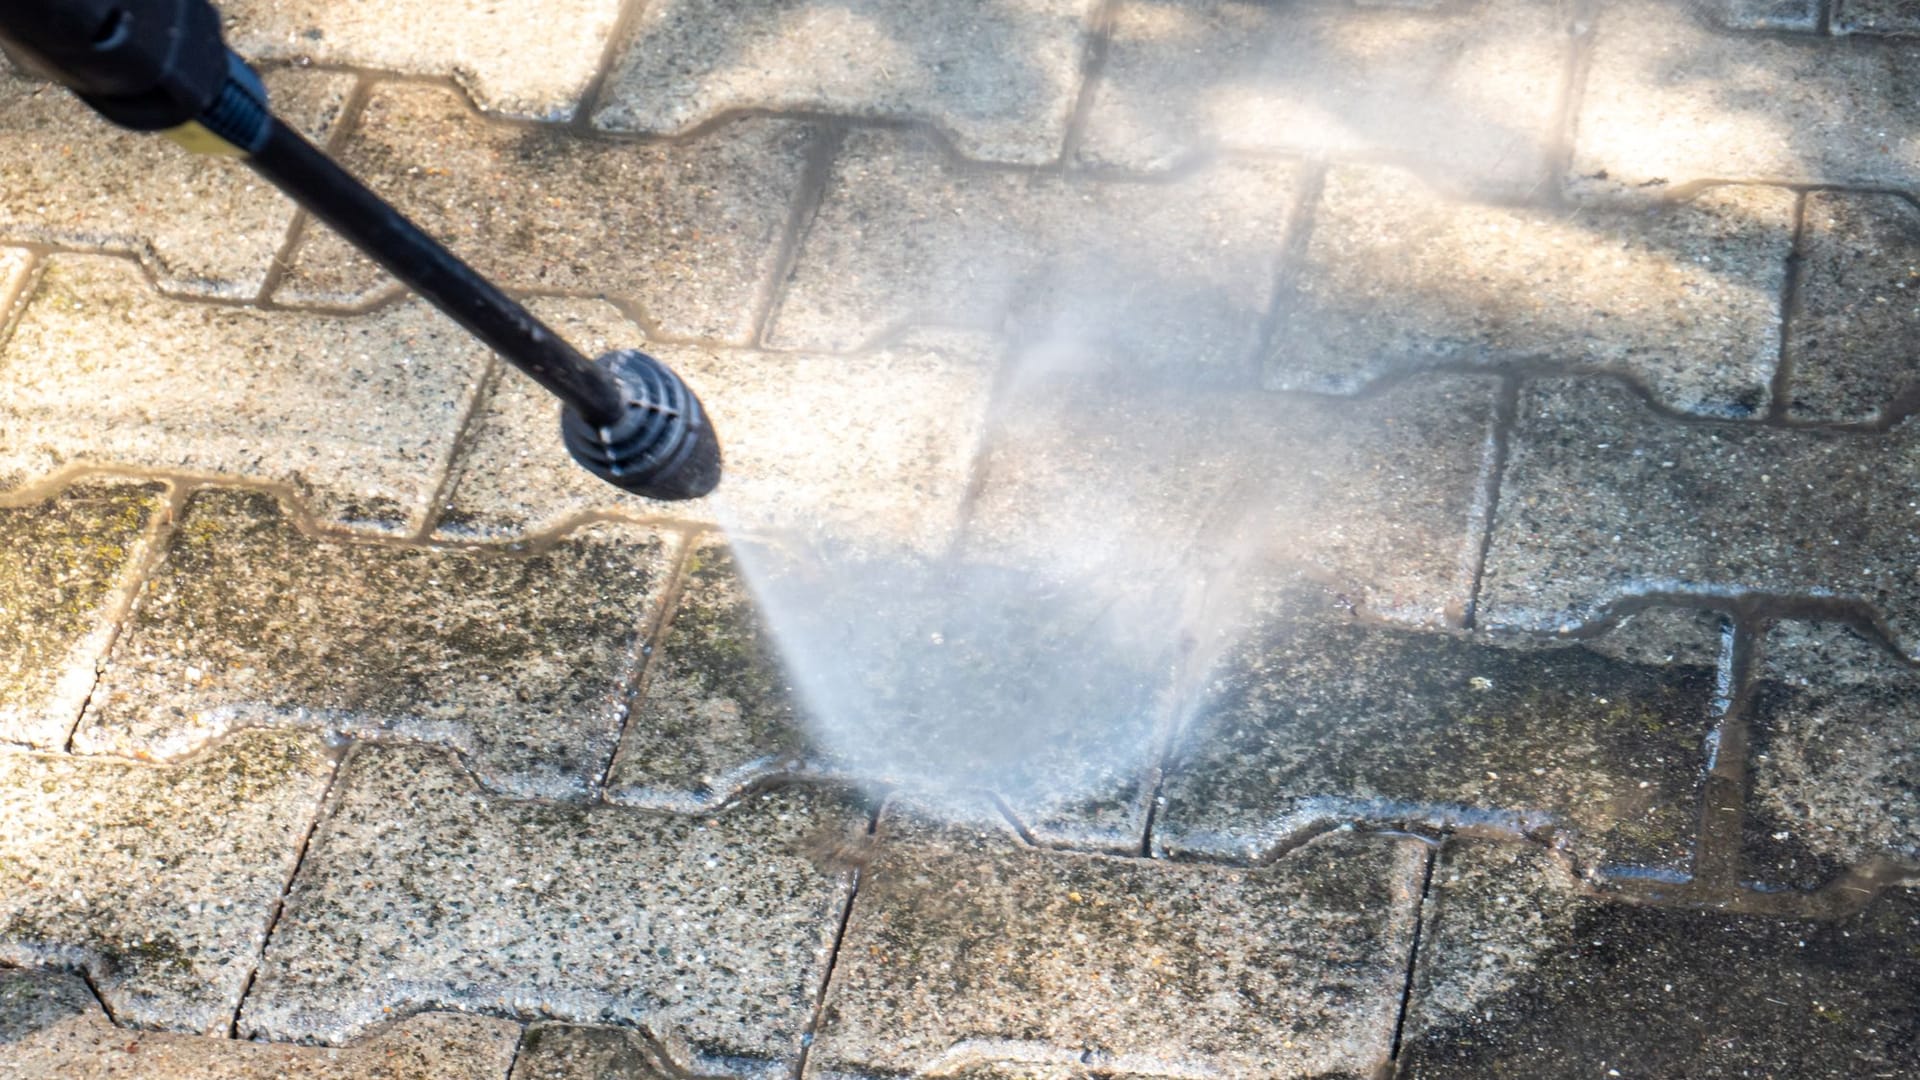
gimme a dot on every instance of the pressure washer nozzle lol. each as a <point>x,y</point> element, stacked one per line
<point>663,448</point>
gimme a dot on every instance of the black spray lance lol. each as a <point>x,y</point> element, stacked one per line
<point>161,65</point>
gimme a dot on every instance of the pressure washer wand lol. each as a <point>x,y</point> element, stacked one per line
<point>161,65</point>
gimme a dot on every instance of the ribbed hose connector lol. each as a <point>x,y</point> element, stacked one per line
<point>662,448</point>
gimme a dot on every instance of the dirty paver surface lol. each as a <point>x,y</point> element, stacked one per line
<point>1348,539</point>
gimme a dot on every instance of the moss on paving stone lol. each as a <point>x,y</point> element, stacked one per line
<point>967,948</point>
<point>62,563</point>
<point>519,659</point>
<point>1568,985</point>
<point>1318,718</point>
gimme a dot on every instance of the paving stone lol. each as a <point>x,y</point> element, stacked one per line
<point>14,264</point>
<point>519,660</point>
<point>1521,976</point>
<point>874,448</point>
<point>1762,14</point>
<point>1140,477</point>
<point>432,1046</point>
<point>204,226</point>
<point>1715,510</point>
<point>65,567</point>
<point>1859,304</point>
<point>1467,92</point>
<point>1315,719</point>
<point>535,68</point>
<point>1685,102</point>
<point>159,881</point>
<point>1900,17</point>
<point>1176,272</point>
<point>998,78</point>
<point>1685,297</point>
<point>689,230</point>
<point>1835,770</point>
<point>967,949</point>
<point>31,999</point>
<point>357,415</point>
<point>420,890</point>
<point>578,1052</point>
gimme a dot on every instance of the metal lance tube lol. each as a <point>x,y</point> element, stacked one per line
<point>160,65</point>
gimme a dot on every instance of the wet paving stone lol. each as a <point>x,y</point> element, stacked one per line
<point>708,931</point>
<point>1835,747</point>
<point>1691,102</point>
<point>1716,509</point>
<point>1859,305</point>
<point>158,880</point>
<point>579,1052</point>
<point>59,1033</point>
<point>1522,976</point>
<point>1895,17</point>
<point>1151,479</point>
<point>1314,719</point>
<point>689,231</point>
<point>204,226</point>
<point>65,568</point>
<point>1177,272</point>
<point>1465,92</point>
<point>519,660</point>
<point>967,949</point>
<point>873,448</point>
<point>534,68</point>
<point>1763,14</point>
<point>356,414</point>
<point>1684,297</point>
<point>998,77</point>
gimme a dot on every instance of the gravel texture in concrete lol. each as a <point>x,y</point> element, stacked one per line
<point>1848,357</point>
<point>997,77</point>
<point>159,881</point>
<point>521,661</point>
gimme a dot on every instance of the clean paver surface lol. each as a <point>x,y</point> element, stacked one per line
<point>1339,539</point>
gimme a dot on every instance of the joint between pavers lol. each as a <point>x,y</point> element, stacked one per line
<point>352,108</point>
<point>647,647</point>
<point>1288,262</point>
<point>1391,1066</point>
<point>1093,67</point>
<point>823,149</point>
<point>1792,302</point>
<point>610,52</point>
<point>1486,501</point>
<point>1573,89</point>
<point>456,460</point>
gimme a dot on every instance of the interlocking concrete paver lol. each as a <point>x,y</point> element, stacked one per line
<point>1686,102</point>
<point>537,68</point>
<point>578,1052</point>
<point>1087,475</point>
<point>159,881</point>
<point>31,999</point>
<point>717,713</point>
<point>68,177</point>
<point>966,948</point>
<point>1899,17</point>
<point>1468,92</point>
<point>1315,719</point>
<point>65,567</point>
<point>357,414</point>
<point>419,890</point>
<point>688,230</point>
<point>998,77</point>
<point>1650,992</point>
<point>521,660</point>
<point>78,1042</point>
<point>1713,510</point>
<point>1685,297</point>
<point>1836,769</point>
<point>1763,14</point>
<point>1847,352</point>
<point>1177,272</point>
<point>874,447</point>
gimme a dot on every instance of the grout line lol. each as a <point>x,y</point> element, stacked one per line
<point>19,294</point>
<point>810,195</point>
<point>646,651</point>
<point>101,999</point>
<point>1287,265</point>
<point>1093,69</point>
<point>155,540</point>
<point>1413,956</point>
<point>833,954</point>
<point>1792,300</point>
<point>617,39</point>
<point>1506,411</point>
<point>352,108</point>
<point>320,811</point>
<point>1558,166</point>
<point>456,462</point>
